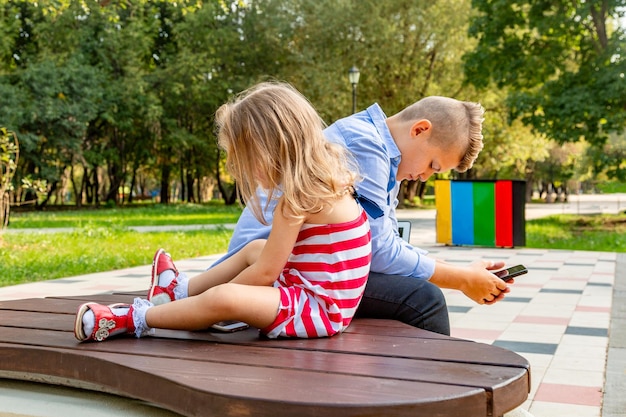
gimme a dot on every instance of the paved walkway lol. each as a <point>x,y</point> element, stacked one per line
<point>567,317</point>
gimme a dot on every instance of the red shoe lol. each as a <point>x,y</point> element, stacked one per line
<point>161,263</point>
<point>106,323</point>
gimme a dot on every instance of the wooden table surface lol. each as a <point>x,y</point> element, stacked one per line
<point>375,368</point>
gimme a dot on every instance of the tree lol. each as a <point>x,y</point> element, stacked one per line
<point>113,39</point>
<point>612,155</point>
<point>563,63</point>
<point>106,93</point>
<point>553,173</point>
<point>60,100</point>
<point>9,155</point>
<point>405,50</point>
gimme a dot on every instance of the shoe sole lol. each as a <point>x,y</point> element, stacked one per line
<point>160,299</point>
<point>79,333</point>
<point>155,276</point>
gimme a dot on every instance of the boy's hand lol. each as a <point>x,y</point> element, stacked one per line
<point>482,286</point>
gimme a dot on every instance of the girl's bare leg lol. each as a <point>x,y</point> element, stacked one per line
<point>226,270</point>
<point>255,305</point>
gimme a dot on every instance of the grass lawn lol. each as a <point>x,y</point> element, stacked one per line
<point>599,232</point>
<point>28,257</point>
<point>143,215</point>
<point>102,240</point>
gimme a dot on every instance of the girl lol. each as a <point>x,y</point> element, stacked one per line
<point>308,277</point>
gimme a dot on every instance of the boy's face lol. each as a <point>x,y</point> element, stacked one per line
<point>421,158</point>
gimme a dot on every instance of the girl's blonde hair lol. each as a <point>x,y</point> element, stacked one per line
<point>274,139</point>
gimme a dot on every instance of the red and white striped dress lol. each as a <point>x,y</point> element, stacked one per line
<point>323,280</point>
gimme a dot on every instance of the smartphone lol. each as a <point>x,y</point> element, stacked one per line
<point>230,326</point>
<point>512,272</point>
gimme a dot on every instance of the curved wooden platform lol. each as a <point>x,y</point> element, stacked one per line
<point>377,367</point>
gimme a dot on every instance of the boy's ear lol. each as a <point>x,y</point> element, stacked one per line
<point>420,126</point>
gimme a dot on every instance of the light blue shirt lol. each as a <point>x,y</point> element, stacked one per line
<point>369,140</point>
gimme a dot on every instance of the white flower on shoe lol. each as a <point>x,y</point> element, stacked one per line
<point>104,326</point>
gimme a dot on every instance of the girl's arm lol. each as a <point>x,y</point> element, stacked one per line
<point>275,253</point>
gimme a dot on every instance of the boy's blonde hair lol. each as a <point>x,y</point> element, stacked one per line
<point>274,139</point>
<point>455,124</point>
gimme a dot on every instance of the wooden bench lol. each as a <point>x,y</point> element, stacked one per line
<point>375,368</point>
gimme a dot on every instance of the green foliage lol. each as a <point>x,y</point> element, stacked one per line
<point>511,150</point>
<point>405,50</point>
<point>614,157</point>
<point>559,166</point>
<point>9,156</point>
<point>612,187</point>
<point>113,95</point>
<point>107,93</point>
<point>562,62</point>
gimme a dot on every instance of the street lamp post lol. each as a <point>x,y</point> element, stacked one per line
<point>353,76</point>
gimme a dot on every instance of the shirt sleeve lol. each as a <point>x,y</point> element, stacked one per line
<point>390,253</point>
<point>248,228</point>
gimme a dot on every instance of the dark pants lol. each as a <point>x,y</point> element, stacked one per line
<point>413,301</point>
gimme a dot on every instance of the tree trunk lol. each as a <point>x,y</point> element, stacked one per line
<point>165,184</point>
<point>189,181</point>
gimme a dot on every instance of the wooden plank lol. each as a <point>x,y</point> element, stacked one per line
<point>379,349</point>
<point>208,388</point>
<point>475,375</point>
<point>27,313</point>
<point>61,305</point>
<point>397,346</point>
<point>371,342</point>
<point>390,346</point>
<point>508,386</point>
